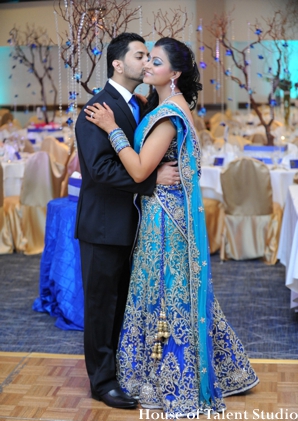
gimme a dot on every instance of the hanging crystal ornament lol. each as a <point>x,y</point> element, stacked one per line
<point>69,54</point>
<point>141,20</point>
<point>104,74</point>
<point>96,31</point>
<point>79,69</point>
<point>222,101</point>
<point>217,59</point>
<point>141,89</point>
<point>233,84</point>
<point>202,111</point>
<point>59,71</point>
<point>97,19</point>
<point>248,64</point>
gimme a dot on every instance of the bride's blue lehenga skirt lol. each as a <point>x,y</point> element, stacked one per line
<point>172,383</point>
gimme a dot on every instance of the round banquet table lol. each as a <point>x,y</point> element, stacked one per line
<point>288,243</point>
<point>281,179</point>
<point>60,282</point>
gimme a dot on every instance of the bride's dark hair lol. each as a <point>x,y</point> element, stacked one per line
<point>182,60</point>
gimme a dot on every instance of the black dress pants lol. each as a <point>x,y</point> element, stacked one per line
<point>106,274</point>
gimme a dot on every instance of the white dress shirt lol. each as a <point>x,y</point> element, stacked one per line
<point>122,91</point>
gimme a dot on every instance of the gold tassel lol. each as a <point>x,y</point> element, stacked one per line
<point>162,333</point>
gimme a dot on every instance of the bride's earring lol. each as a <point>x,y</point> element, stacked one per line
<point>172,86</point>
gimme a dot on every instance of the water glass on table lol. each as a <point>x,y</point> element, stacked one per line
<point>21,144</point>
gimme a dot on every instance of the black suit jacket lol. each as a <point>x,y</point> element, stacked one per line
<point>106,213</point>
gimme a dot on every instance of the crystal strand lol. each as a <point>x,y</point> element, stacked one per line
<point>98,73</point>
<point>221,85</point>
<point>96,31</point>
<point>71,74</point>
<point>249,68</point>
<point>140,88</point>
<point>79,70</point>
<point>217,55</point>
<point>201,61</point>
<point>233,84</point>
<point>140,20</point>
<point>71,79</point>
<point>59,71</point>
<point>105,61</point>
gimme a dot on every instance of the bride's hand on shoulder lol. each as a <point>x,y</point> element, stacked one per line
<point>102,116</point>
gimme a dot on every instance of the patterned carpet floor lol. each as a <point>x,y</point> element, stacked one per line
<point>252,295</point>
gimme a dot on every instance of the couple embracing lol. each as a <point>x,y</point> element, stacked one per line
<point>154,332</point>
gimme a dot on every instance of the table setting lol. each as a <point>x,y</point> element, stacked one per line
<point>281,161</point>
<point>288,244</point>
<point>13,160</point>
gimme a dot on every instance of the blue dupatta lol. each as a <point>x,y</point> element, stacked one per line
<point>200,282</point>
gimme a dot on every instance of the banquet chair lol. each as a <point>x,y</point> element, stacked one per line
<point>214,216</point>
<point>28,146</point>
<point>35,120</point>
<point>258,138</point>
<point>205,138</point>
<point>27,212</point>
<point>55,148</point>
<point>217,118</point>
<point>251,220</point>
<point>6,118</point>
<point>59,156</point>
<point>239,141</point>
<point>6,241</point>
<point>3,111</point>
<point>213,208</point>
<point>218,128</point>
<point>295,141</point>
<point>72,166</point>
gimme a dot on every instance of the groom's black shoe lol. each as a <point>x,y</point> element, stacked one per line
<point>116,399</point>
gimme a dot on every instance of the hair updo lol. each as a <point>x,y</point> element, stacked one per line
<point>181,59</point>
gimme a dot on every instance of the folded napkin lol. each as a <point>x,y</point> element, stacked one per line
<point>74,186</point>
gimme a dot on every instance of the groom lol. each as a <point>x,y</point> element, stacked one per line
<point>107,219</point>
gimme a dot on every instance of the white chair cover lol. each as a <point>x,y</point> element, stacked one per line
<point>59,156</point>
<point>252,221</point>
<point>27,213</point>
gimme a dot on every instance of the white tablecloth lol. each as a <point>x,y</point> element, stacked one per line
<point>281,179</point>
<point>288,243</point>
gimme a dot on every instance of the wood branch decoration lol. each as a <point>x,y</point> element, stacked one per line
<point>91,25</point>
<point>167,24</point>
<point>32,48</point>
<point>277,31</point>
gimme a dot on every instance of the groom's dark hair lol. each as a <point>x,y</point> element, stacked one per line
<point>118,47</point>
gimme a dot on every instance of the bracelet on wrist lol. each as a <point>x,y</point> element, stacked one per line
<point>114,131</point>
<point>118,140</point>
